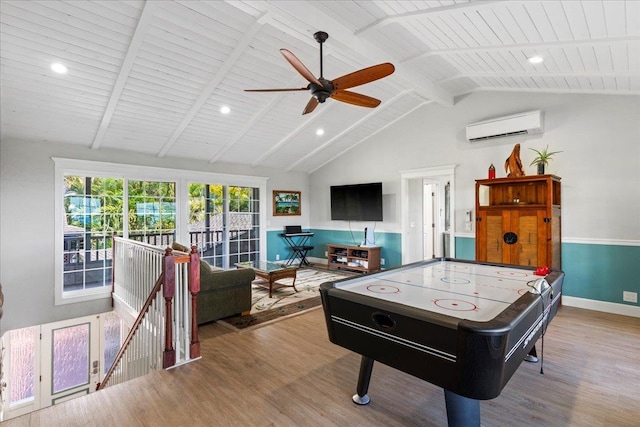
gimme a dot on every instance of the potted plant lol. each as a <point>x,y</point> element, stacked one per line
<point>543,158</point>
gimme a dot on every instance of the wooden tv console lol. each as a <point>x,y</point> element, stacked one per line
<point>356,258</point>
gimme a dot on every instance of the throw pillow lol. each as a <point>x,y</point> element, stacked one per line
<point>178,247</point>
<point>209,268</point>
<point>204,268</point>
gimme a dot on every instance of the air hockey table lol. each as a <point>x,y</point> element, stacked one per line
<point>462,325</point>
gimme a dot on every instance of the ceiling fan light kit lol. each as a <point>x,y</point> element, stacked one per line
<point>321,88</point>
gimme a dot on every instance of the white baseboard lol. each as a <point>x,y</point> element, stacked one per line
<point>607,307</point>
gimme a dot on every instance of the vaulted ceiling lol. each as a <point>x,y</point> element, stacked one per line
<point>152,76</point>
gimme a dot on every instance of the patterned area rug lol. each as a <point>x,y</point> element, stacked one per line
<point>285,301</point>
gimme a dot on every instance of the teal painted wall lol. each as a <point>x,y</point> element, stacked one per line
<point>390,243</point>
<point>465,248</point>
<point>595,272</point>
<point>276,246</point>
<point>600,272</point>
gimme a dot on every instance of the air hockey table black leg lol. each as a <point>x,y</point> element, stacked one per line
<point>462,411</point>
<point>366,366</point>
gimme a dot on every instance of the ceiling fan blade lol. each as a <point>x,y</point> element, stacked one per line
<point>299,66</point>
<point>366,75</point>
<point>355,98</point>
<point>311,105</point>
<point>276,90</point>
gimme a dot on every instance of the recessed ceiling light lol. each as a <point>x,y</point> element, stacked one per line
<point>59,68</point>
<point>320,132</point>
<point>536,59</point>
<point>225,109</point>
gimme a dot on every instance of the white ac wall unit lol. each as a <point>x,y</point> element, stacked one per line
<point>528,123</point>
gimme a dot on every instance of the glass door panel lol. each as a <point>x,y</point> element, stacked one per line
<point>70,359</point>
<point>224,223</point>
<point>92,214</point>
<point>152,212</point>
<point>112,330</point>
<point>20,369</point>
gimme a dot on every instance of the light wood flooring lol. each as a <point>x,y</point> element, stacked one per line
<point>289,374</point>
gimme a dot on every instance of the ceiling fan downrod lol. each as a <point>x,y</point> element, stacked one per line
<point>321,37</point>
<point>321,93</point>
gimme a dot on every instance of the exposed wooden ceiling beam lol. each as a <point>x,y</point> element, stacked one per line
<point>136,41</point>
<point>321,147</point>
<point>525,46</point>
<point>434,11</point>
<point>277,97</point>
<point>524,75</point>
<point>377,131</point>
<point>214,82</point>
<point>321,111</point>
<point>561,91</point>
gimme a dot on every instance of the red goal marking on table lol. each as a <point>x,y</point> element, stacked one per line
<point>456,305</point>
<point>383,289</point>
<point>455,280</point>
<point>512,273</point>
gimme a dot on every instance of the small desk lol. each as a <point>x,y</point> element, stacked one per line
<point>299,244</point>
<point>271,271</point>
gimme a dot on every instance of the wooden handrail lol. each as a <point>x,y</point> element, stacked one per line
<point>132,332</point>
<point>167,283</point>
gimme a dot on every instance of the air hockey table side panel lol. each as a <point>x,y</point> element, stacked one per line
<point>487,362</point>
<point>425,350</point>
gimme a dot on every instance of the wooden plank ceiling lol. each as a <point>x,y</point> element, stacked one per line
<point>152,76</point>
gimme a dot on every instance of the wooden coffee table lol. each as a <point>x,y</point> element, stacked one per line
<point>272,272</point>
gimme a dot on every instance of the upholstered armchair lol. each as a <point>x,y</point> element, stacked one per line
<point>223,293</point>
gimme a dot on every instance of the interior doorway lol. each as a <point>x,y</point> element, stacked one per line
<point>429,218</point>
<point>415,227</point>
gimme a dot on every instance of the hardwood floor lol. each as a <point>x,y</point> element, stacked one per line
<point>289,374</point>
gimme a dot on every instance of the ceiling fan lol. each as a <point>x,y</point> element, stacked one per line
<point>321,88</point>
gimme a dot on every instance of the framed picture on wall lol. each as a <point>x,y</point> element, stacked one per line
<point>286,202</point>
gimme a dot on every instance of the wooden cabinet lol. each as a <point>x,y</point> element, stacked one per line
<point>358,258</point>
<point>518,220</point>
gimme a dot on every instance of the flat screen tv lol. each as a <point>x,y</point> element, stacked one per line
<point>357,202</point>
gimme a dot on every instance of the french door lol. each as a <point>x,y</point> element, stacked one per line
<point>225,223</point>
<point>48,364</point>
<point>70,359</point>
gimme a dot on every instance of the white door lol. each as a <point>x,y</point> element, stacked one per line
<point>429,225</point>
<point>414,233</point>
<point>48,364</point>
<point>70,359</point>
<point>20,371</point>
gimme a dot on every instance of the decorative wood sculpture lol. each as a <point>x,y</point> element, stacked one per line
<point>513,164</point>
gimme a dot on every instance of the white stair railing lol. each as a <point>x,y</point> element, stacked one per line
<point>154,291</point>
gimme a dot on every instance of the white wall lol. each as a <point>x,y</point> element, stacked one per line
<point>27,253</point>
<point>599,136</point>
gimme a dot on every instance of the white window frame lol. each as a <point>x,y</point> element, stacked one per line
<point>181,177</point>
